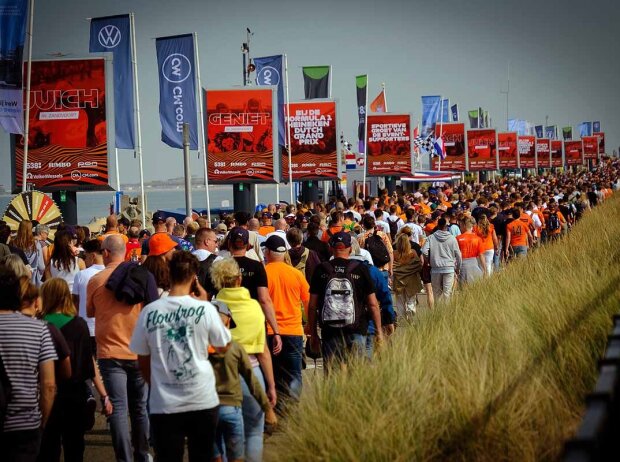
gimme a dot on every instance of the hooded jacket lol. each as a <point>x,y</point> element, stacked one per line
<point>444,252</point>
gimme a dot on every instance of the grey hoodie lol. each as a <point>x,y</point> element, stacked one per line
<point>445,252</point>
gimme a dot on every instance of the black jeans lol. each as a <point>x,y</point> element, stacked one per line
<point>170,431</point>
<point>20,446</point>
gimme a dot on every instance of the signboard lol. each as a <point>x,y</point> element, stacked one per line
<point>68,141</point>
<point>527,151</point>
<point>240,127</point>
<point>573,151</point>
<point>388,138</point>
<point>590,147</point>
<point>453,136</point>
<point>507,150</point>
<point>556,153</point>
<point>543,152</point>
<point>482,149</point>
<point>601,141</point>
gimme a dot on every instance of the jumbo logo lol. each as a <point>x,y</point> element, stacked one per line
<point>176,68</point>
<point>109,36</point>
<point>268,76</point>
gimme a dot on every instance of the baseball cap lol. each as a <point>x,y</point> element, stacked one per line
<point>275,244</point>
<point>160,243</point>
<point>221,228</point>
<point>266,215</point>
<point>158,216</point>
<point>340,240</point>
<point>239,234</point>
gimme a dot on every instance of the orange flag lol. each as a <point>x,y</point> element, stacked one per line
<point>378,104</point>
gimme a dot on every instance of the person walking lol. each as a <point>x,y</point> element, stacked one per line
<point>442,249</point>
<point>473,265</point>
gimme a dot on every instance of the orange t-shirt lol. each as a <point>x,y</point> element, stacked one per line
<point>471,245</point>
<point>264,230</point>
<point>547,213</point>
<point>526,219</point>
<point>288,290</point>
<point>333,230</point>
<point>428,229</point>
<point>518,233</point>
<point>487,242</point>
<point>110,233</point>
<point>424,209</point>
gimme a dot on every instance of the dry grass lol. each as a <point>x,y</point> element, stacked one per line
<point>498,373</point>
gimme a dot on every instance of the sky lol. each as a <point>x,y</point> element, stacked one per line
<point>562,54</point>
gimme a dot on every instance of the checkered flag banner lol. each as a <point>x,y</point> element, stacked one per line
<point>427,144</point>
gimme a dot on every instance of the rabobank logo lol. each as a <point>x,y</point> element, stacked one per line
<point>109,36</point>
<point>268,76</point>
<point>176,68</point>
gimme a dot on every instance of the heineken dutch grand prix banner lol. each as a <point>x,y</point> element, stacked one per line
<point>241,124</point>
<point>68,142</point>
<point>453,136</point>
<point>388,145</point>
<point>482,149</point>
<point>507,150</point>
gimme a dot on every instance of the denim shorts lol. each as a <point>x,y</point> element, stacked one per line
<point>230,439</point>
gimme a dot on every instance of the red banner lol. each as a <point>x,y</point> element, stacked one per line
<point>389,145</point>
<point>68,141</point>
<point>543,152</point>
<point>453,136</point>
<point>527,151</point>
<point>314,141</point>
<point>240,128</point>
<point>556,153</point>
<point>590,147</point>
<point>507,150</point>
<point>573,151</point>
<point>601,141</point>
<point>482,149</point>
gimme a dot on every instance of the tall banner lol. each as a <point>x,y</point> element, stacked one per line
<point>567,133</point>
<point>473,118</point>
<point>177,89</point>
<point>482,149</point>
<point>573,151</point>
<point>556,153</point>
<point>361,86</point>
<point>316,81</point>
<point>240,128</point>
<point>507,150</point>
<point>551,132</point>
<point>539,131</point>
<point>453,136</point>
<point>314,141</point>
<point>585,129</point>
<point>68,143</point>
<point>527,151</point>
<point>389,145</point>
<point>596,126</point>
<point>590,147</point>
<point>445,110</point>
<point>601,141</point>
<point>270,71</point>
<point>113,34</point>
<point>455,112</point>
<point>431,107</point>
<point>543,152</point>
<point>13,15</point>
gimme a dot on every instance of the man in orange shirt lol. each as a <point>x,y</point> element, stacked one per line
<point>266,225</point>
<point>111,229</point>
<point>290,294</point>
<point>554,221</point>
<point>518,236</point>
<point>336,225</point>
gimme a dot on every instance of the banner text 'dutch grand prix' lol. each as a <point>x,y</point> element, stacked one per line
<point>68,143</point>
<point>507,150</point>
<point>573,152</point>
<point>388,145</point>
<point>590,147</point>
<point>543,152</point>
<point>453,136</point>
<point>556,153</point>
<point>527,151</point>
<point>240,130</point>
<point>482,149</point>
<point>314,143</point>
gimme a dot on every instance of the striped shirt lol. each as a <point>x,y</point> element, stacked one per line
<point>24,344</point>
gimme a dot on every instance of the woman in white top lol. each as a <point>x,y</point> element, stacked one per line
<point>64,263</point>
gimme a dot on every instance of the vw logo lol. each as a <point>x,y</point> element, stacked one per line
<point>176,68</point>
<point>109,36</point>
<point>268,76</point>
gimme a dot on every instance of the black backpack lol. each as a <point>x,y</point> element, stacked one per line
<point>5,394</point>
<point>377,249</point>
<point>393,228</point>
<point>553,223</point>
<point>204,276</point>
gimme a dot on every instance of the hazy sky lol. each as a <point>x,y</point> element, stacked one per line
<point>563,54</point>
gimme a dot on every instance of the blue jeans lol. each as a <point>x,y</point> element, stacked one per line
<point>337,346</point>
<point>370,345</point>
<point>287,366</point>
<point>520,250</point>
<point>253,421</point>
<point>127,391</point>
<point>230,439</point>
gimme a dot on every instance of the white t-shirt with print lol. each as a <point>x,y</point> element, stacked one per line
<point>176,332</point>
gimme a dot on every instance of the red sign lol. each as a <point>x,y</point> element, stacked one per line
<point>388,144</point>
<point>314,142</point>
<point>240,128</point>
<point>527,151</point>
<point>590,147</point>
<point>573,151</point>
<point>68,141</point>
<point>543,152</point>
<point>482,149</point>
<point>556,153</point>
<point>507,150</point>
<point>453,136</point>
<point>601,141</point>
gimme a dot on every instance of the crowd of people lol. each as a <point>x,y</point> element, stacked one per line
<point>200,331</point>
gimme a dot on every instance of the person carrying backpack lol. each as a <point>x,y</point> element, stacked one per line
<point>342,301</point>
<point>378,245</point>
<point>299,256</point>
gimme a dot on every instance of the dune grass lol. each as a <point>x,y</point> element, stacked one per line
<point>498,373</point>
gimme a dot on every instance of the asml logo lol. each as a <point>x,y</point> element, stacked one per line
<point>268,76</point>
<point>176,68</point>
<point>109,36</point>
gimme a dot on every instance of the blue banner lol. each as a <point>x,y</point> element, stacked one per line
<point>455,113</point>
<point>270,71</point>
<point>539,131</point>
<point>585,129</point>
<point>113,34</point>
<point>431,109</point>
<point>445,110</point>
<point>513,125</point>
<point>596,126</point>
<point>177,89</point>
<point>13,14</point>
<point>551,131</point>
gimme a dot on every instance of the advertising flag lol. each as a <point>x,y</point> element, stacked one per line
<point>556,153</point>
<point>453,137</point>
<point>431,107</point>
<point>455,113</point>
<point>445,110</point>
<point>389,145</point>
<point>507,150</point>
<point>596,126</point>
<point>513,125</point>
<point>68,143</point>
<point>13,14</point>
<point>481,118</point>
<point>240,132</point>
<point>361,86</point>
<point>270,71</point>
<point>316,81</point>
<point>379,104</point>
<point>527,151</point>
<point>112,34</point>
<point>567,133</point>
<point>573,150</point>
<point>585,129</point>
<point>543,152</point>
<point>551,131</point>
<point>601,141</point>
<point>539,131</point>
<point>177,89</point>
<point>590,147</point>
<point>314,141</point>
<point>473,118</point>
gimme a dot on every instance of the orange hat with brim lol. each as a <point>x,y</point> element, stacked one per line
<point>161,243</point>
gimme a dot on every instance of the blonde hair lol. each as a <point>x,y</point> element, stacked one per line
<point>57,297</point>
<point>225,273</point>
<point>16,264</point>
<point>24,239</point>
<point>403,253</point>
<point>28,292</point>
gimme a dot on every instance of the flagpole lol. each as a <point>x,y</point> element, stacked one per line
<point>288,133</point>
<point>440,132</point>
<point>118,173</point>
<point>384,97</point>
<point>202,126</point>
<point>365,142</point>
<point>28,80</point>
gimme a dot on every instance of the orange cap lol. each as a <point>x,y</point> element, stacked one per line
<point>161,243</point>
